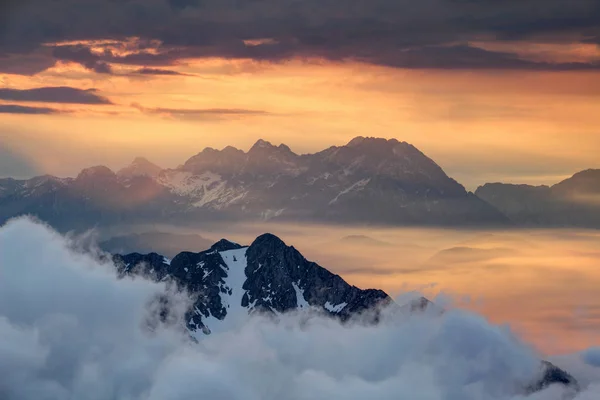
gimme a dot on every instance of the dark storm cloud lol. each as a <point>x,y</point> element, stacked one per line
<point>398,33</point>
<point>85,56</point>
<point>416,57</point>
<point>59,94</point>
<point>16,109</point>
<point>463,57</point>
<point>82,55</point>
<point>26,63</point>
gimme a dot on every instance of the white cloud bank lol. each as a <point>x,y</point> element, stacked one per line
<point>70,330</point>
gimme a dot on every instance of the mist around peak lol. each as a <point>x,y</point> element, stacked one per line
<point>105,345</point>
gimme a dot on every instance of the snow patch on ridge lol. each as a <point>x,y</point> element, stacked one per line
<point>300,300</point>
<point>231,294</point>
<point>269,214</point>
<point>356,187</point>
<point>206,189</point>
<point>185,183</point>
<point>335,308</point>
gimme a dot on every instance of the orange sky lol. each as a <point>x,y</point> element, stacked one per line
<point>480,126</point>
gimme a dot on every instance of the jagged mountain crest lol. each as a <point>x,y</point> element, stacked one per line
<point>583,182</point>
<point>387,159</point>
<point>262,145</point>
<point>374,152</point>
<point>96,172</point>
<point>367,181</point>
<point>140,166</point>
<point>225,245</point>
<point>231,281</point>
<point>226,162</point>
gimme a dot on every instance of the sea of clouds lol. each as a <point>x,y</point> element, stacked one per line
<point>69,329</point>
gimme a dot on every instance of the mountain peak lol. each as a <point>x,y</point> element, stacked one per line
<point>361,140</point>
<point>98,171</point>
<point>265,158</point>
<point>225,245</point>
<point>224,162</point>
<point>261,143</point>
<point>140,166</point>
<point>587,174</point>
<point>266,145</point>
<point>586,182</point>
<point>284,147</point>
<point>208,150</point>
<point>356,141</point>
<point>231,150</point>
<point>269,240</point>
<point>140,160</point>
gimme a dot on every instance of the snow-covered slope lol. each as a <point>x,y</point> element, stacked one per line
<point>231,292</point>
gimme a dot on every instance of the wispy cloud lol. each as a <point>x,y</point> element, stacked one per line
<point>16,109</point>
<point>58,94</point>
<point>84,56</point>
<point>199,113</point>
<point>157,71</point>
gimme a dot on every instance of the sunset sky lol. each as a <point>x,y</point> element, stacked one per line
<point>492,91</point>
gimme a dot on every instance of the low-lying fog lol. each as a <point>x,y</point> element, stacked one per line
<point>544,283</point>
<point>69,329</point>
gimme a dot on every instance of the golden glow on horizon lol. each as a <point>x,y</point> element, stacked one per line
<point>478,125</point>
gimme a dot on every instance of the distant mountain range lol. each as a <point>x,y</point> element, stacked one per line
<point>230,281</point>
<point>367,181</point>
<point>574,202</point>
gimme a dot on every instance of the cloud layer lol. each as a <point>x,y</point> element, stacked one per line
<point>57,94</point>
<point>70,329</point>
<point>17,109</point>
<point>199,113</point>
<point>427,34</point>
